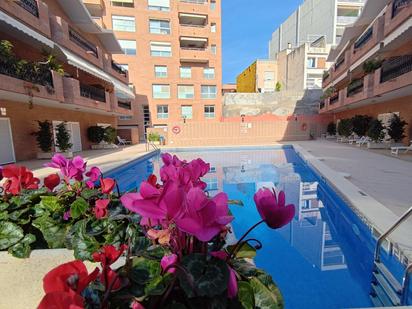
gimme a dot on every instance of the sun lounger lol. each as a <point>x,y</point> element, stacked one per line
<point>362,141</point>
<point>395,150</point>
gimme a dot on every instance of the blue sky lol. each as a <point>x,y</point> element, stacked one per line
<point>247,28</point>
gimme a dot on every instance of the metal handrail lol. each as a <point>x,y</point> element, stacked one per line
<point>389,231</point>
<point>405,284</point>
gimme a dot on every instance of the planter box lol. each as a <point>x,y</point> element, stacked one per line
<point>104,146</point>
<point>373,145</point>
<point>67,154</point>
<point>44,155</point>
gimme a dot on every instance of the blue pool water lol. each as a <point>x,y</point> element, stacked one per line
<point>323,258</point>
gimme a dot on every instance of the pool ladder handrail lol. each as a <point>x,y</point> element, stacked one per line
<point>149,143</point>
<point>408,270</point>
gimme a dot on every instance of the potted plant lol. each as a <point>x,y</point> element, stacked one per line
<point>396,129</point>
<point>278,86</point>
<point>345,128</point>
<point>331,130</point>
<point>95,134</point>
<point>376,134</point>
<point>109,137</point>
<point>360,124</point>
<point>63,140</point>
<point>370,66</point>
<point>44,138</point>
<point>154,137</point>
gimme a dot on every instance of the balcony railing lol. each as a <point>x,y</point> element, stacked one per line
<point>398,5</point>
<point>94,93</point>
<point>346,19</point>
<point>81,42</point>
<point>192,25</point>
<point>334,98</point>
<point>39,75</point>
<point>322,104</point>
<point>30,6</point>
<point>124,104</point>
<point>194,1</point>
<point>364,38</point>
<point>339,62</point>
<point>355,87</point>
<point>395,67</point>
<point>117,67</point>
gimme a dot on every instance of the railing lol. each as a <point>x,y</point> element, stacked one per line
<point>322,105</point>
<point>30,6</point>
<point>40,75</point>
<point>364,38</point>
<point>346,19</point>
<point>325,76</point>
<point>124,104</point>
<point>194,48</point>
<point>81,42</point>
<point>339,62</point>
<point>192,25</point>
<point>352,1</point>
<point>355,87</point>
<point>398,5</point>
<point>194,1</point>
<point>395,67</point>
<point>94,93</point>
<point>333,99</point>
<point>119,69</point>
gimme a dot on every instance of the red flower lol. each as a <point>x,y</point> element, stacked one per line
<point>52,181</point>
<point>107,185</point>
<point>100,210</point>
<point>19,177</point>
<point>61,300</point>
<point>69,277</point>
<point>272,209</point>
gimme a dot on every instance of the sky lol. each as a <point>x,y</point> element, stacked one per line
<point>247,27</point>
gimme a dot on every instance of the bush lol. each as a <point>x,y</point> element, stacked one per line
<point>375,131</point>
<point>278,87</point>
<point>396,129</point>
<point>44,136</point>
<point>63,137</point>
<point>154,137</point>
<point>95,134</point>
<point>110,134</point>
<point>370,66</point>
<point>361,124</point>
<point>331,129</point>
<point>345,127</point>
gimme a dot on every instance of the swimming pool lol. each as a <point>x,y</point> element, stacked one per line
<point>323,258</point>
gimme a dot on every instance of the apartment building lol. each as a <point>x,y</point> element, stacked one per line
<point>260,76</point>
<point>91,91</point>
<point>372,70</point>
<point>172,51</point>
<point>314,19</point>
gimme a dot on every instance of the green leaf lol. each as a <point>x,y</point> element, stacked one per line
<point>78,207</point>
<point>15,215</point>
<point>53,232</point>
<point>83,245</point>
<point>4,215</point>
<point>246,251</point>
<point>96,227</point>
<point>210,277</point>
<point>144,270</point>
<point>158,285</point>
<point>267,280</point>
<point>265,297</point>
<point>235,202</point>
<point>244,268</point>
<point>22,248</point>
<point>245,295</point>
<point>88,193</point>
<point>4,206</point>
<point>10,234</point>
<point>50,203</point>
<point>116,234</point>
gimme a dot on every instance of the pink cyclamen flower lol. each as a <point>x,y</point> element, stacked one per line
<point>70,169</point>
<point>136,305</point>
<point>204,218</point>
<point>67,215</point>
<point>93,174</point>
<point>167,261</point>
<point>100,210</point>
<point>107,185</point>
<point>272,209</point>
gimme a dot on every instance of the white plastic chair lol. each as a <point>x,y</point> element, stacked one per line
<point>122,141</point>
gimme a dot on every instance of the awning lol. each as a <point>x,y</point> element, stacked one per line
<point>183,38</point>
<point>122,90</point>
<point>15,28</point>
<point>192,15</point>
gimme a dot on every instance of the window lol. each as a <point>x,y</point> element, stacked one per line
<point>209,73</point>
<point>128,47</point>
<point>212,184</point>
<point>160,49</point>
<point>161,91</point>
<point>213,27</point>
<point>158,26</point>
<point>311,62</point>
<point>185,91</point>
<point>124,3</point>
<point>185,72</point>
<point>124,66</point>
<point>124,23</point>
<point>209,92</point>
<point>159,5</point>
<point>214,49</point>
<point>209,111</point>
<point>213,5</point>
<point>162,112</point>
<point>187,112</point>
<point>125,117</point>
<point>160,71</point>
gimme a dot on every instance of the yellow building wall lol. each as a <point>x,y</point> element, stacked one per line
<point>246,81</point>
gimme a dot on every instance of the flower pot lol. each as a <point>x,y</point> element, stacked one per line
<point>44,155</point>
<point>97,146</point>
<point>373,145</point>
<point>67,154</point>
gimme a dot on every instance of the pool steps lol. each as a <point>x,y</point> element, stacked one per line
<point>386,290</point>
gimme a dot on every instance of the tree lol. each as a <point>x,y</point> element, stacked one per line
<point>278,86</point>
<point>375,131</point>
<point>331,129</point>
<point>63,137</point>
<point>95,134</point>
<point>44,136</point>
<point>110,134</point>
<point>361,124</point>
<point>345,127</point>
<point>396,129</point>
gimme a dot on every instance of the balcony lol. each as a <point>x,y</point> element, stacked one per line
<point>194,49</point>
<point>394,74</point>
<point>192,20</point>
<point>399,5</point>
<point>193,6</point>
<point>346,20</point>
<point>30,6</point>
<point>82,43</point>
<point>124,104</point>
<point>116,67</point>
<point>334,98</point>
<point>398,12</point>
<point>93,93</point>
<point>95,7</point>
<point>355,87</point>
<point>194,1</point>
<point>365,38</point>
